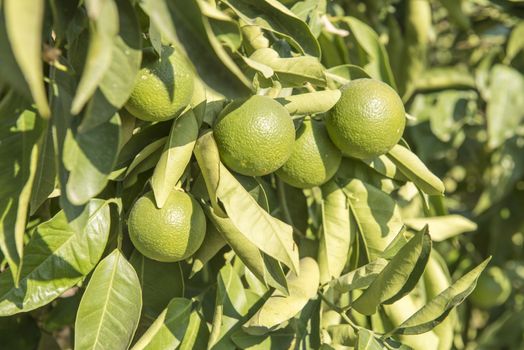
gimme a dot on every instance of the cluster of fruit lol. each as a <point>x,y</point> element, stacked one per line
<point>256,137</point>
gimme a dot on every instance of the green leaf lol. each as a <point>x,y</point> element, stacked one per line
<point>45,176</point>
<point>214,66</point>
<point>366,340</point>
<point>344,73</point>
<point>160,17</point>
<point>515,42</point>
<point>441,78</point>
<point>197,332</point>
<point>442,227</point>
<point>292,71</point>
<point>224,27</point>
<point>436,310</point>
<point>144,160</point>
<point>19,135</point>
<point>231,306</point>
<point>175,156</point>
<point>264,267</point>
<point>377,64</point>
<point>213,243</point>
<point>24,21</point>
<point>159,282</point>
<point>399,277</point>
<point>102,31</point>
<point>169,328</point>
<point>110,307</point>
<point>311,103</point>
<point>90,158</point>
<point>280,308</point>
<point>273,16</point>
<point>337,234</point>
<point>267,233</point>
<point>505,107</point>
<point>359,278</point>
<point>415,170</point>
<point>56,258</point>
<point>385,166</point>
<point>376,214</point>
<point>118,81</point>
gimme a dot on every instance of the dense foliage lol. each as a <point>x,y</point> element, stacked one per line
<point>382,256</point>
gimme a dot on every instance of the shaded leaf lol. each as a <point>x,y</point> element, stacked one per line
<point>438,308</point>
<point>359,278</point>
<point>110,307</point>
<point>280,308</point>
<point>442,227</point>
<point>19,135</point>
<point>197,332</point>
<point>273,16</point>
<point>169,328</point>
<point>175,156</point>
<point>24,23</point>
<point>213,243</point>
<point>57,257</point>
<point>366,340</point>
<point>399,277</point>
<point>338,232</point>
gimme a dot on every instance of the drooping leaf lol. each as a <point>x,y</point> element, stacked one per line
<point>292,71</point>
<point>376,214</point>
<point>399,277</point>
<point>116,84</point>
<point>443,227</point>
<point>175,156</point>
<point>24,21</point>
<point>273,16</point>
<point>110,307</point>
<point>359,278</point>
<point>45,176</point>
<point>213,243</point>
<point>214,66</point>
<point>415,170</point>
<point>19,135</point>
<point>432,313</point>
<point>231,307</point>
<point>197,332</point>
<point>160,17</point>
<point>280,308</point>
<point>311,103</point>
<point>515,42</point>
<point>338,232</point>
<point>103,28</point>
<point>169,328</point>
<point>57,257</point>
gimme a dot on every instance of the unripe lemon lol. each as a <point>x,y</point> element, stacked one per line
<point>163,87</point>
<point>493,288</point>
<point>254,137</point>
<point>368,120</point>
<point>314,160</point>
<point>168,234</point>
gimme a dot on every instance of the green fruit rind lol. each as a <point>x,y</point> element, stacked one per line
<point>163,87</point>
<point>314,160</point>
<point>368,120</point>
<point>255,137</point>
<point>172,233</point>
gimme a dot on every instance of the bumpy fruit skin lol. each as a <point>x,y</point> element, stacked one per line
<point>163,87</point>
<point>368,120</point>
<point>254,137</point>
<point>314,160</point>
<point>493,289</point>
<point>169,234</point>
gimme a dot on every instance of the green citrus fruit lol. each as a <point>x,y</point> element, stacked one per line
<point>493,288</point>
<point>163,87</point>
<point>314,160</point>
<point>171,233</point>
<point>368,120</point>
<point>254,137</point>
